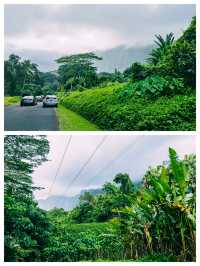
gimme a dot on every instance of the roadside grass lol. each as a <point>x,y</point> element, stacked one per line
<point>9,100</point>
<point>70,121</point>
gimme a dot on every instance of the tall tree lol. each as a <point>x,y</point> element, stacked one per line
<point>20,76</point>
<point>78,70</point>
<point>26,226</point>
<point>126,185</point>
<point>163,46</point>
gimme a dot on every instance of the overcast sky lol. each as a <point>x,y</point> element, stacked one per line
<point>131,154</point>
<point>45,32</point>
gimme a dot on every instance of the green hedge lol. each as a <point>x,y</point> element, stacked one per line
<point>9,100</point>
<point>111,109</point>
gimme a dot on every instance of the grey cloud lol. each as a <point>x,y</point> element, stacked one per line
<point>124,17</point>
<point>33,29</point>
<point>145,151</point>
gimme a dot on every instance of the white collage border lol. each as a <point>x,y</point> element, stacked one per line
<point>2,133</point>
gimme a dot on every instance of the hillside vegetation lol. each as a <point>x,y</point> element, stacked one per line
<point>152,221</point>
<point>115,107</point>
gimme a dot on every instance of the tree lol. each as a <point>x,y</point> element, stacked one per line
<point>49,79</point>
<point>138,71</point>
<point>181,61</point>
<point>78,69</point>
<point>126,185</point>
<point>164,46</point>
<point>110,188</point>
<point>11,69</point>
<point>20,76</point>
<point>87,198</point>
<point>26,225</point>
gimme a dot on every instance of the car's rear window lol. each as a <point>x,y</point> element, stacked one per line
<point>28,97</point>
<point>54,98</point>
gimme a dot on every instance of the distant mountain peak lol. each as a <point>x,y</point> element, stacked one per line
<point>121,57</point>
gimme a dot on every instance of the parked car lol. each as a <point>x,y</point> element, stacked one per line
<point>50,101</point>
<point>28,100</point>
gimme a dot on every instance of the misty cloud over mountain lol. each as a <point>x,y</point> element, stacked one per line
<point>43,33</point>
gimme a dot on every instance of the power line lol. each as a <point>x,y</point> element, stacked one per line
<point>60,164</point>
<point>125,150</point>
<point>86,163</point>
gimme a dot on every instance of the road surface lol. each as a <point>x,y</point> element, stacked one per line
<point>30,118</point>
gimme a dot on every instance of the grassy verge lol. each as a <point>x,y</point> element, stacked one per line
<point>9,100</point>
<point>70,121</point>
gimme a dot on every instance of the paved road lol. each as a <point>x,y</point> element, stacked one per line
<point>30,118</point>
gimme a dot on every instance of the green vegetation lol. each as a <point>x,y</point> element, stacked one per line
<point>151,221</point>
<point>116,108</point>
<point>71,121</point>
<point>26,226</point>
<point>77,71</point>
<point>9,100</point>
<point>157,95</point>
<point>22,77</point>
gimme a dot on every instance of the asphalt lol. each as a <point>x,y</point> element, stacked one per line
<point>30,118</point>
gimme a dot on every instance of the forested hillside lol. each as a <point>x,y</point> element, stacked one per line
<point>154,221</point>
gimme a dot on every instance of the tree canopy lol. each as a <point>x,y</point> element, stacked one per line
<point>26,225</point>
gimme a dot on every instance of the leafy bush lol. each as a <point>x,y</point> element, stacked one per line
<point>83,242</point>
<point>156,86</point>
<point>116,108</point>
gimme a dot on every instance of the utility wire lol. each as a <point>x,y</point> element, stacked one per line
<point>111,162</point>
<point>86,163</point>
<point>60,164</point>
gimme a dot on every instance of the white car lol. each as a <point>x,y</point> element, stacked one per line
<point>50,101</point>
<point>28,100</point>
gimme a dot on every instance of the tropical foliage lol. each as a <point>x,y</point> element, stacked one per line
<point>117,107</point>
<point>22,77</point>
<point>156,95</point>
<point>163,48</point>
<point>153,220</point>
<point>26,226</point>
<point>159,95</point>
<point>78,70</point>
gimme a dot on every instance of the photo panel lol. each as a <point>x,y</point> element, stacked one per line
<point>100,198</point>
<point>132,69</point>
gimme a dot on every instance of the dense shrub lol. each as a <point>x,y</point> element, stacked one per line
<point>117,108</point>
<point>84,242</point>
<point>154,87</point>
